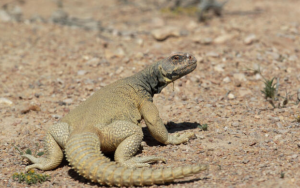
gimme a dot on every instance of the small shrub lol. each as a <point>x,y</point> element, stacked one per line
<point>269,89</point>
<point>29,152</point>
<point>203,127</point>
<point>30,178</point>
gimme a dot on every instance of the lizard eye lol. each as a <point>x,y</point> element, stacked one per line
<point>176,57</point>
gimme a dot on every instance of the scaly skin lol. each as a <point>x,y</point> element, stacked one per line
<point>107,122</point>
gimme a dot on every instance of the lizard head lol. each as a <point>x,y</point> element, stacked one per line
<point>176,66</point>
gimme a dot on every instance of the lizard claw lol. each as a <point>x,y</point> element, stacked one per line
<point>178,139</point>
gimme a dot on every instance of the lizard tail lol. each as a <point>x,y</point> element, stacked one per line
<point>83,153</point>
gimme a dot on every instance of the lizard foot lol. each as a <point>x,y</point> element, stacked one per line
<point>178,139</point>
<point>40,163</point>
<point>139,162</point>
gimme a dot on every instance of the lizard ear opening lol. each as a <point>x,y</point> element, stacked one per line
<point>164,73</point>
<point>162,70</point>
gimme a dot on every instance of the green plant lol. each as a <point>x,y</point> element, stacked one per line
<point>282,175</point>
<point>191,10</point>
<point>203,127</point>
<point>30,178</point>
<point>29,152</point>
<point>269,89</point>
<point>255,70</point>
<point>271,94</point>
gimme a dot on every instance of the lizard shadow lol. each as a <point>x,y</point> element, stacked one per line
<point>172,127</point>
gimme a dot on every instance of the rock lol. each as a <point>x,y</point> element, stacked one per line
<point>199,58</point>
<point>200,136</point>
<point>89,87</point>
<point>93,61</point>
<point>253,143</point>
<point>68,101</point>
<point>60,81</point>
<point>219,68</point>
<point>244,92</point>
<point>276,56</point>
<point>240,77</point>
<point>290,70</point>
<point>32,107</point>
<point>11,13</point>
<point>293,58</point>
<point>274,119</point>
<point>165,32</point>
<point>5,101</point>
<point>257,77</point>
<point>4,16</point>
<point>284,28</point>
<point>139,55</point>
<point>235,124</point>
<point>212,54</point>
<point>250,39</point>
<point>223,38</point>
<point>231,96</point>
<point>279,125</point>
<point>277,137</point>
<point>227,79</point>
<point>81,72</point>
<point>206,41</point>
<point>245,161</point>
<point>56,116</point>
<point>119,70</point>
<point>139,41</point>
<point>120,52</point>
<point>201,40</point>
<point>206,84</point>
<point>192,25</point>
<point>294,156</point>
<point>37,19</point>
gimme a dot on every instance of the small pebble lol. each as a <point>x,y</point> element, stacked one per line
<point>250,39</point>
<point>81,72</point>
<point>5,101</point>
<point>68,101</point>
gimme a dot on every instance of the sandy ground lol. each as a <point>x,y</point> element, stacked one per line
<point>47,69</point>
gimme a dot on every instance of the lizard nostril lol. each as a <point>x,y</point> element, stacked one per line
<point>188,56</point>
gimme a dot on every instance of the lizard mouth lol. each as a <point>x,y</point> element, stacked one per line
<point>186,69</point>
<point>181,72</point>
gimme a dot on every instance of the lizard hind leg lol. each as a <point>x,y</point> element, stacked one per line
<point>54,141</point>
<point>125,138</point>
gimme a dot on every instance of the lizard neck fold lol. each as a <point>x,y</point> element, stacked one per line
<point>152,79</point>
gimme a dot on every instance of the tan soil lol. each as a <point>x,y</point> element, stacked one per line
<point>248,143</point>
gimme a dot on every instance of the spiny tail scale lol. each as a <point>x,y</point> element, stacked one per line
<point>83,153</point>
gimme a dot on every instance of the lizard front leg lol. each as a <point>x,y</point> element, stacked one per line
<point>156,127</point>
<point>125,139</point>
